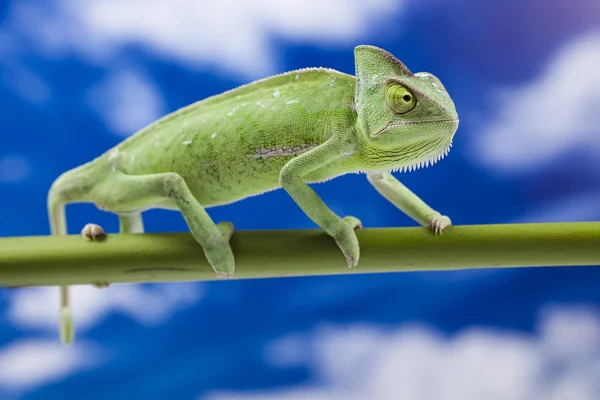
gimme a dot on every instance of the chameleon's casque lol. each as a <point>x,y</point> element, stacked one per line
<point>287,130</point>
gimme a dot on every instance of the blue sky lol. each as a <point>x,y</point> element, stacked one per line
<point>76,77</point>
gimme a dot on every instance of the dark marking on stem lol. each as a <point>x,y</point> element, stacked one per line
<point>165,269</point>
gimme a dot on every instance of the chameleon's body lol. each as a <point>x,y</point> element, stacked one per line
<point>303,126</point>
<point>234,145</point>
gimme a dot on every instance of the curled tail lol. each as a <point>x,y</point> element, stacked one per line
<point>71,187</point>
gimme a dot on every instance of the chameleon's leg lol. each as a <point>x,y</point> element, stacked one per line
<point>131,223</point>
<point>408,202</point>
<point>143,190</point>
<point>58,197</point>
<point>291,179</point>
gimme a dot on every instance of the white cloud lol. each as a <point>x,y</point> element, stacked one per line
<point>578,207</point>
<point>37,307</point>
<point>560,362</point>
<point>14,168</point>
<point>553,116</point>
<point>126,101</point>
<point>30,363</point>
<point>233,34</point>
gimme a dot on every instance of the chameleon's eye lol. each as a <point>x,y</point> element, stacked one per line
<point>399,98</point>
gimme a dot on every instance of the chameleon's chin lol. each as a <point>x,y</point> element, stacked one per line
<point>425,161</point>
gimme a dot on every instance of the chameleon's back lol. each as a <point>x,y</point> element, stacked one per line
<point>233,145</point>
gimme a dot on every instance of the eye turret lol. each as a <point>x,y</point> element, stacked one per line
<point>399,98</point>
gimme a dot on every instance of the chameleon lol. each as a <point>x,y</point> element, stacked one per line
<point>286,131</point>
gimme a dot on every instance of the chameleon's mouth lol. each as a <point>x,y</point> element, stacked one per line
<point>405,123</point>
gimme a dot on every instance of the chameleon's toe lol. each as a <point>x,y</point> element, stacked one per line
<point>221,259</point>
<point>439,223</point>
<point>93,232</point>
<point>67,329</point>
<point>226,229</point>
<point>353,222</point>
<point>347,241</point>
<point>351,260</point>
<point>224,275</point>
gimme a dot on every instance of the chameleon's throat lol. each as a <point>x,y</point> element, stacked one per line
<point>424,162</point>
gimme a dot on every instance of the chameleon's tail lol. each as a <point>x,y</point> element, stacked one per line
<point>70,187</point>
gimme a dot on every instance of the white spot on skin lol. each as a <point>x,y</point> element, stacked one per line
<point>276,93</point>
<point>209,163</point>
<point>187,142</point>
<point>283,151</point>
<point>234,109</point>
<point>331,80</point>
<point>436,87</point>
<point>113,158</point>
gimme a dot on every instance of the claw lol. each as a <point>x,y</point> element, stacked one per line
<point>93,232</point>
<point>439,223</point>
<point>353,223</point>
<point>224,275</point>
<point>351,261</point>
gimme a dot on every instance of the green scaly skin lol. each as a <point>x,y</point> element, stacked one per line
<point>288,130</point>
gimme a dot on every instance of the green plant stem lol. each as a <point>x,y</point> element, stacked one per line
<point>69,260</point>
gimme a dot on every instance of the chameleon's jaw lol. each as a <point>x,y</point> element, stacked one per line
<point>436,137</point>
<point>452,122</point>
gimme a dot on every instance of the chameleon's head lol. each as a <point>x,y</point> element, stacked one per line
<point>399,110</point>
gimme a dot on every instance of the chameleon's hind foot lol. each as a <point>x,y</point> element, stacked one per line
<point>439,223</point>
<point>220,256</point>
<point>347,241</point>
<point>93,232</point>
<point>222,261</point>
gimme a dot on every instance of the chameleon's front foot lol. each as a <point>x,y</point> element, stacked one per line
<point>220,255</point>
<point>346,240</point>
<point>438,223</point>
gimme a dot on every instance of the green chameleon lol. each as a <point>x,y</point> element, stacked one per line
<point>288,130</point>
